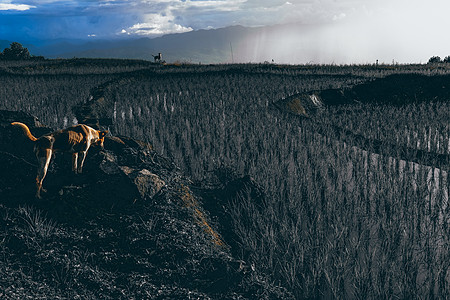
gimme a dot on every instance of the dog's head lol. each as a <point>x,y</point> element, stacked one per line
<point>101,138</point>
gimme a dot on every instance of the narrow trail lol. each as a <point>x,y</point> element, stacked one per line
<point>402,152</point>
<point>387,89</point>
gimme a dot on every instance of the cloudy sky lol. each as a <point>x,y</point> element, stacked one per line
<point>413,29</point>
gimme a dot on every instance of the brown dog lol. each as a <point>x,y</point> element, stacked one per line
<point>76,140</point>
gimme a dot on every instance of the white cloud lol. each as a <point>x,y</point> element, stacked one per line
<point>339,17</point>
<point>231,5</point>
<point>155,25</point>
<point>19,7</point>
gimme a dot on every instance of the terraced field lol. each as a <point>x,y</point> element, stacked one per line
<point>349,200</point>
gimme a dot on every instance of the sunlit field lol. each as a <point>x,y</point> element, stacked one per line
<point>335,221</point>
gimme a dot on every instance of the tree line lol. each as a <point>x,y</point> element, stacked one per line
<point>17,52</point>
<point>437,59</point>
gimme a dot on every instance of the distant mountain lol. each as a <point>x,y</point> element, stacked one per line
<point>224,45</point>
<point>296,43</point>
<point>205,46</point>
<point>288,43</point>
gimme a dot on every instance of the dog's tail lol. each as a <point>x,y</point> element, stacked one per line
<point>26,130</point>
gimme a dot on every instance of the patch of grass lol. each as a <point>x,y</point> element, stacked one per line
<point>37,225</point>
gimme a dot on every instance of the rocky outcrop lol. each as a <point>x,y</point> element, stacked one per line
<point>398,89</point>
<point>138,223</point>
<point>304,105</point>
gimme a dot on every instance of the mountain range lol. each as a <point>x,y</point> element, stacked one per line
<point>236,44</point>
<point>206,46</point>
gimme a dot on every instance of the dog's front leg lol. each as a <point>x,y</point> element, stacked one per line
<point>74,162</point>
<point>82,157</point>
<point>44,160</point>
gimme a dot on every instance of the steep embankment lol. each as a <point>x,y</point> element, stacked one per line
<point>397,90</point>
<point>130,226</point>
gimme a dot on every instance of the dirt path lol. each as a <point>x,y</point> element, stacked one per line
<point>396,90</point>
